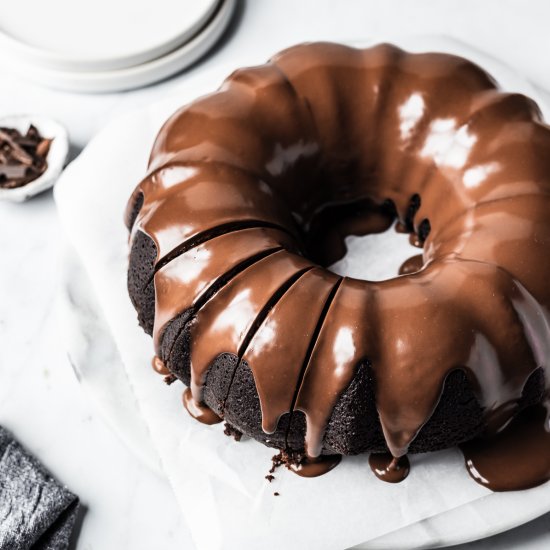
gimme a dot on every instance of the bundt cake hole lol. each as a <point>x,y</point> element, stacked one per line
<point>326,232</point>
<point>353,238</point>
<point>367,257</point>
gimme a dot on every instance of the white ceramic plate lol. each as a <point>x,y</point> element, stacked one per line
<point>57,155</point>
<point>98,35</point>
<point>132,76</point>
<point>487,516</point>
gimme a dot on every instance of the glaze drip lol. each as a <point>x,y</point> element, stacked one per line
<point>199,411</point>
<point>304,466</point>
<point>388,468</point>
<point>516,458</point>
<point>314,467</point>
<point>158,366</point>
<point>411,265</point>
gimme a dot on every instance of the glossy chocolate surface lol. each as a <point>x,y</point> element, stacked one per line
<point>315,467</point>
<point>199,411</point>
<point>159,367</point>
<point>247,172</point>
<point>389,469</point>
<point>517,458</point>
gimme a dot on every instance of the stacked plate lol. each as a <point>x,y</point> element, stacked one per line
<point>106,45</point>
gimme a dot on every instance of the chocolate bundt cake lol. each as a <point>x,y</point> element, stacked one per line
<point>249,195</point>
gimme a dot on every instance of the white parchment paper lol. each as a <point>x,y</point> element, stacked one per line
<point>220,484</point>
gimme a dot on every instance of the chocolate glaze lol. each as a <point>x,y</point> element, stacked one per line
<point>415,240</point>
<point>411,265</point>
<point>240,179</point>
<point>158,366</point>
<point>199,411</point>
<point>303,465</point>
<point>325,237</point>
<point>315,467</point>
<point>185,282</point>
<point>226,323</point>
<point>400,227</point>
<point>516,458</point>
<point>389,469</point>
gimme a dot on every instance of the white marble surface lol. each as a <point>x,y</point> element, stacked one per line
<point>42,402</point>
<point>128,506</point>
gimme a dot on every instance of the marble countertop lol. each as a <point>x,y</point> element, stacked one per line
<point>127,505</point>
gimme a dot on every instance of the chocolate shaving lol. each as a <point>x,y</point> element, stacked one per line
<point>22,156</point>
<point>43,148</point>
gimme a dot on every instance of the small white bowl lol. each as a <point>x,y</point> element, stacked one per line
<point>57,155</point>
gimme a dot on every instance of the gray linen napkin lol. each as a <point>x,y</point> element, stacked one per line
<point>35,510</point>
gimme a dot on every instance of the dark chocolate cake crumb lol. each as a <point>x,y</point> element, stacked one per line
<point>169,379</point>
<point>231,431</point>
<point>22,156</point>
<point>276,462</point>
<point>286,458</point>
<point>293,458</point>
<point>270,477</point>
